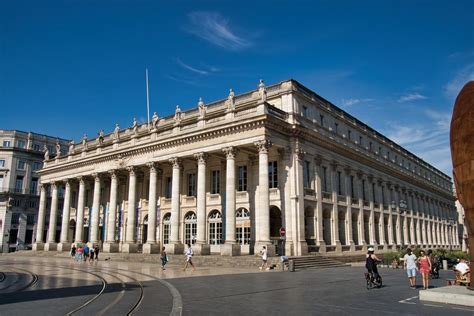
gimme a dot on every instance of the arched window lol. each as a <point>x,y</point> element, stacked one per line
<point>215,228</point>
<point>166,228</point>
<point>242,226</point>
<point>190,227</point>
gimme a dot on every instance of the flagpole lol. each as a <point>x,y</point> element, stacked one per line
<point>147,100</point>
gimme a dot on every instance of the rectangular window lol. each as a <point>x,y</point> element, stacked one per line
<point>380,150</point>
<point>305,111</point>
<point>19,184</point>
<point>168,184</point>
<point>383,195</point>
<point>21,165</point>
<point>1,184</point>
<point>13,236</point>
<point>360,140</point>
<point>37,165</point>
<point>307,174</point>
<point>373,191</point>
<point>15,218</point>
<point>321,119</point>
<point>336,125</point>
<point>216,182</point>
<point>36,147</point>
<point>363,190</point>
<point>34,186</point>
<point>2,163</point>
<point>192,184</point>
<point>370,146</point>
<point>20,143</point>
<point>349,135</point>
<point>30,219</point>
<point>242,179</point>
<point>325,182</point>
<point>352,186</point>
<point>6,143</point>
<point>273,174</point>
<point>166,233</point>
<point>339,184</point>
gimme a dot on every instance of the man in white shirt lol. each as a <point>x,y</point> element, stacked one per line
<point>462,267</point>
<point>410,266</point>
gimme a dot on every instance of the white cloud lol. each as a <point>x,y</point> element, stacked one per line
<point>213,28</point>
<point>190,68</point>
<point>411,97</point>
<point>454,86</point>
<point>351,101</point>
<point>428,138</point>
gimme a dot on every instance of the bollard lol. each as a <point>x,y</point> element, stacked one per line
<point>445,264</point>
<point>291,266</point>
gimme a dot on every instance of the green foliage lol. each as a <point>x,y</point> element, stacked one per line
<point>389,256</point>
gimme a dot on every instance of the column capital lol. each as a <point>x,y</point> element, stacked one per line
<point>318,160</point>
<point>80,179</point>
<point>370,178</point>
<point>348,170</point>
<point>97,176</point>
<point>153,166</point>
<point>132,170</point>
<point>201,157</point>
<point>53,184</point>
<point>230,152</point>
<point>263,146</point>
<point>67,182</point>
<point>334,165</point>
<point>113,173</point>
<point>175,162</point>
<point>360,174</point>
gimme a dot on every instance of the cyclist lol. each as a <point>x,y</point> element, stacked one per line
<point>371,263</point>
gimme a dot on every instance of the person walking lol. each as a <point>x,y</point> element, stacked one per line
<point>79,254</point>
<point>189,256</point>
<point>73,251</point>
<point>164,258</point>
<point>264,255</point>
<point>425,268</point>
<point>86,252</point>
<point>96,252</point>
<point>410,265</point>
<point>91,254</point>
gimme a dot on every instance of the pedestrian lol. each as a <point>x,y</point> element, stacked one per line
<point>410,265</point>
<point>91,254</point>
<point>425,268</point>
<point>96,252</point>
<point>264,255</point>
<point>73,251</point>
<point>164,258</point>
<point>189,257</point>
<point>79,253</point>
<point>86,252</point>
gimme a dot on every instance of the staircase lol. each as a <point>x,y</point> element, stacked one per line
<point>315,262</point>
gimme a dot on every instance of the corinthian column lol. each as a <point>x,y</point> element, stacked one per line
<point>151,246</point>
<point>51,244</point>
<point>131,245</point>
<point>39,243</point>
<point>64,244</point>
<point>80,211</point>
<point>201,247</point>
<point>175,245</point>
<point>95,210</point>
<point>110,245</point>
<point>262,217</point>
<point>230,248</point>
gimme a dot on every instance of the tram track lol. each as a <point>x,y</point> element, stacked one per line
<point>32,282</point>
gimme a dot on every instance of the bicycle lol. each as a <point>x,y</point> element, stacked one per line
<point>372,281</point>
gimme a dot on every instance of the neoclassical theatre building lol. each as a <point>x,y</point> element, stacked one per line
<point>227,177</point>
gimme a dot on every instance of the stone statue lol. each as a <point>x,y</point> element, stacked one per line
<point>46,152</point>
<point>84,142</point>
<point>71,147</point>
<point>201,107</point>
<point>58,148</point>
<point>100,139</point>
<point>154,120</point>
<point>462,152</point>
<point>135,126</point>
<point>177,114</point>
<point>230,100</point>
<point>262,91</point>
<point>116,132</point>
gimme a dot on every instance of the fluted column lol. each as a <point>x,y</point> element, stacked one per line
<point>382,214</point>
<point>372,211</point>
<point>412,222</point>
<point>201,247</point>
<point>39,243</point>
<point>263,212</point>
<point>64,239</point>
<point>335,209</point>
<point>51,245</point>
<point>360,195</point>
<point>429,228</point>
<point>175,244</point>
<point>151,245</point>
<point>319,208</point>
<point>418,220</point>
<point>132,204</point>
<point>424,229</point>
<point>399,223</point>
<point>80,211</point>
<point>110,245</point>
<point>389,191</point>
<point>349,238</point>
<point>95,210</point>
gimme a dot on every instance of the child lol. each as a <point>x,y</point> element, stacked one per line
<point>164,258</point>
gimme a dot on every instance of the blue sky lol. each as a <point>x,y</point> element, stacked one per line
<point>74,67</point>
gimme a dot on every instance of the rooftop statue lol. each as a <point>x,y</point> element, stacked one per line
<point>177,114</point>
<point>58,148</point>
<point>116,132</point>
<point>71,147</point>
<point>84,142</point>
<point>201,107</point>
<point>231,100</point>
<point>100,139</point>
<point>262,91</point>
<point>46,152</point>
<point>154,120</point>
<point>462,152</point>
<point>135,126</point>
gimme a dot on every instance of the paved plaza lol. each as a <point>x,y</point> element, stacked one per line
<point>59,286</point>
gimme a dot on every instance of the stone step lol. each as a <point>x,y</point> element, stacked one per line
<point>315,262</point>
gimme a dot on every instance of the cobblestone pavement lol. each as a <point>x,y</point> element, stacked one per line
<point>60,286</point>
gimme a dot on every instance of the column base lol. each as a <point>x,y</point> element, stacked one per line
<point>38,246</point>
<point>175,249</point>
<point>270,248</point>
<point>50,246</point>
<point>64,246</point>
<point>352,246</point>
<point>289,249</point>
<point>129,248</point>
<point>151,248</point>
<point>202,249</point>
<point>230,250</point>
<point>110,247</point>
<point>338,246</point>
<point>302,248</point>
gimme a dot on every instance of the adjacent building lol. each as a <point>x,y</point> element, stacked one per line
<point>21,156</point>
<point>279,166</point>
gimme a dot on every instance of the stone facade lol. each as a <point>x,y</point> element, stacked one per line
<point>21,156</point>
<point>226,176</point>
